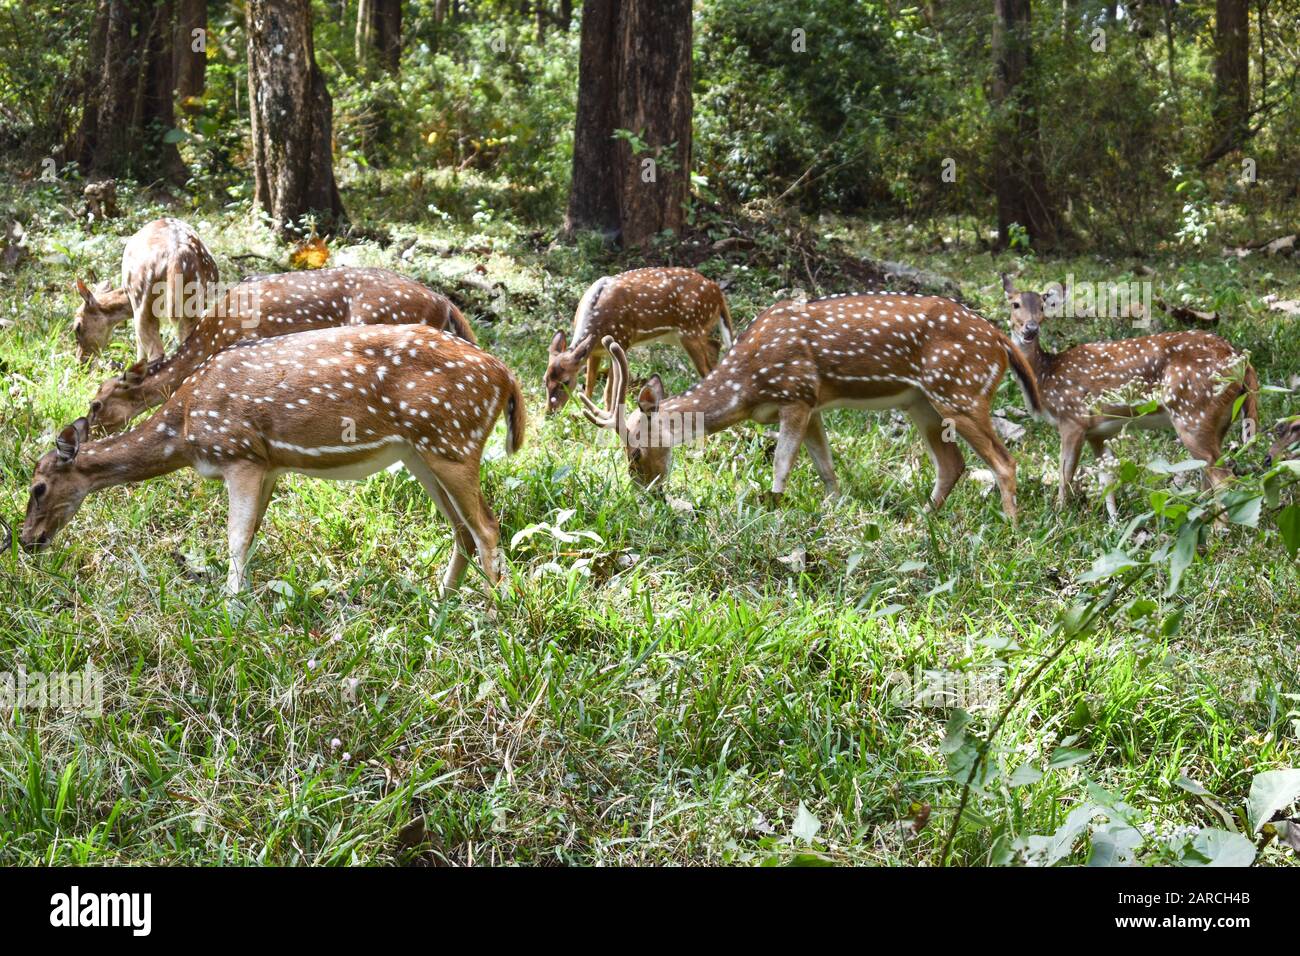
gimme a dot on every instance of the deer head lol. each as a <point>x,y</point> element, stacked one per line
<point>645,437</point>
<point>562,369</point>
<point>58,488</point>
<point>99,311</point>
<point>1286,441</point>
<point>1030,309</point>
<point>121,398</point>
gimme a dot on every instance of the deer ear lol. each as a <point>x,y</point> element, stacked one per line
<point>652,393</point>
<point>558,343</point>
<point>135,374</point>
<point>1008,285</point>
<point>583,346</point>
<point>86,295</point>
<point>69,440</point>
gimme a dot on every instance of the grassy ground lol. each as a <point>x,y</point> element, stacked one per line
<point>670,689</point>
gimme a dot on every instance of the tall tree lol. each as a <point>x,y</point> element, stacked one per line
<point>189,49</point>
<point>379,33</point>
<point>129,96</point>
<point>1019,180</point>
<point>292,117</point>
<point>634,74</point>
<point>1231,70</point>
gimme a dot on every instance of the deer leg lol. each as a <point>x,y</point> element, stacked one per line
<point>819,449</point>
<point>460,482</point>
<point>944,454</point>
<point>148,340</point>
<point>1204,444</point>
<point>1072,436</point>
<point>699,352</point>
<point>1102,453</point>
<point>794,422</point>
<point>463,546</point>
<point>247,493</point>
<point>975,427</point>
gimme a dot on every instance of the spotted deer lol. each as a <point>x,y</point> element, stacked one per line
<point>1094,391</point>
<point>930,356</point>
<point>637,308</point>
<point>1286,441</point>
<point>337,403</point>
<point>166,272</point>
<point>271,306</point>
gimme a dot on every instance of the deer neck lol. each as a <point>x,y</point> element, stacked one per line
<point>153,448</point>
<point>688,417</point>
<point>1039,358</point>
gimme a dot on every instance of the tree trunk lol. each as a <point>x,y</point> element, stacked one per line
<point>190,65</point>
<point>1019,180</point>
<point>379,33</point>
<point>566,15</point>
<point>634,74</point>
<point>128,104</point>
<point>292,118</point>
<point>1231,69</point>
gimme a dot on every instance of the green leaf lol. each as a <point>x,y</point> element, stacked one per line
<point>1160,466</point>
<point>1110,563</point>
<point>805,824</point>
<point>1288,525</point>
<point>1220,848</point>
<point>1067,757</point>
<point>1244,509</point>
<point>1271,791</point>
<point>1024,775</point>
<point>1184,552</point>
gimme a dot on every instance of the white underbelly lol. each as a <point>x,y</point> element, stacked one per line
<point>651,336</point>
<point>355,470</point>
<point>901,399</point>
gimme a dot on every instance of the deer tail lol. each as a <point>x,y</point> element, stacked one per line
<point>1250,408</point>
<point>458,325</point>
<point>516,417</point>
<point>728,330</point>
<point>1028,380</point>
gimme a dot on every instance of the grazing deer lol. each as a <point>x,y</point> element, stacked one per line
<point>636,308</point>
<point>1286,441</point>
<point>930,356</point>
<point>1195,376</point>
<point>166,271</point>
<point>337,403</point>
<point>272,306</point>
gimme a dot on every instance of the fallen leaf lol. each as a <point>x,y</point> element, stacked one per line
<point>310,254</point>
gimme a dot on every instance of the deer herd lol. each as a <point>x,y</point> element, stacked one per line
<point>338,373</point>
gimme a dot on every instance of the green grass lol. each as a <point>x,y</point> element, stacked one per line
<point>669,693</point>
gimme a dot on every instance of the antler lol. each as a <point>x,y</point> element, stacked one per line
<point>609,418</point>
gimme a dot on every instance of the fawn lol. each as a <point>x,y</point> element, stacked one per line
<point>930,356</point>
<point>1286,441</point>
<point>166,271</point>
<point>1195,376</point>
<point>636,308</point>
<point>332,403</point>
<point>277,305</point>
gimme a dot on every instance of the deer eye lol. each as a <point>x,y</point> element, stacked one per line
<point>38,490</point>
<point>636,454</point>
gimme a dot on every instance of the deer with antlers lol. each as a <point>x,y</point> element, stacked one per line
<point>929,356</point>
<point>166,273</point>
<point>271,306</point>
<point>1094,391</point>
<point>637,308</point>
<point>337,403</point>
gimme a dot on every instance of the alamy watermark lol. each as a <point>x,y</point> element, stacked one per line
<point>80,692</point>
<point>1086,300</point>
